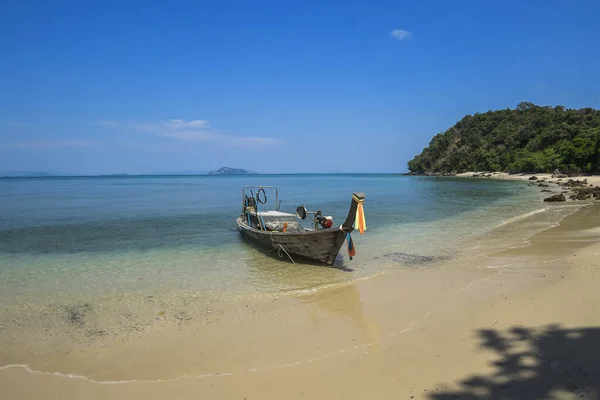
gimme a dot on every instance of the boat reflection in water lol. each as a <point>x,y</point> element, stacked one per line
<point>330,298</point>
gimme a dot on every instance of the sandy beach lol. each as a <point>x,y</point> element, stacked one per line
<point>518,322</point>
<point>592,180</point>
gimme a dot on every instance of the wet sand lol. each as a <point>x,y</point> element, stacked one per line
<point>521,323</point>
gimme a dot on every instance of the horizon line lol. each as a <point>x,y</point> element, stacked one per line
<point>124,174</point>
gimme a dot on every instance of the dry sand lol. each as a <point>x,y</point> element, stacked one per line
<point>523,323</point>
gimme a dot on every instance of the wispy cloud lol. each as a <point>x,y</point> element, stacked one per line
<point>108,124</point>
<point>197,130</point>
<point>18,124</point>
<point>401,34</point>
<point>170,125</point>
<point>43,144</point>
<point>181,124</point>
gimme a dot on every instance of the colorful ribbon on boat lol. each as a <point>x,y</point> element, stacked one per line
<point>351,249</point>
<point>360,222</point>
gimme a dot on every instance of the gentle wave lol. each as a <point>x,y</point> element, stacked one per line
<point>322,287</point>
<point>532,262</point>
<point>521,217</point>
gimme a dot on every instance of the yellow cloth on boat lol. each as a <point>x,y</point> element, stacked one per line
<point>360,222</point>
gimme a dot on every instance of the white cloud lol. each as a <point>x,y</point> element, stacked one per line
<point>43,144</point>
<point>197,130</point>
<point>401,34</point>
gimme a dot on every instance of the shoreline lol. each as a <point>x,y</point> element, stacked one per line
<point>389,336</point>
<point>591,179</point>
<point>560,188</point>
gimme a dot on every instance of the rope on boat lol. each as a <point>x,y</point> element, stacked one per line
<point>279,248</point>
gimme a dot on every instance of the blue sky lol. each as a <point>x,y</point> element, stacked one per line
<point>274,86</point>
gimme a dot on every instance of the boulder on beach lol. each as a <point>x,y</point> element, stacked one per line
<point>556,197</point>
<point>579,196</point>
<point>585,193</point>
<point>572,183</point>
<point>533,178</point>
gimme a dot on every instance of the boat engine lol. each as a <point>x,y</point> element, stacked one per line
<point>325,222</point>
<point>319,219</point>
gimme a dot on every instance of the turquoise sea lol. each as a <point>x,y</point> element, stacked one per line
<point>128,247</point>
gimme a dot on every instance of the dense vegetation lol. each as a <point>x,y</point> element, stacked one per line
<point>529,138</point>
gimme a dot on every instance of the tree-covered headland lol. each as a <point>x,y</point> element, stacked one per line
<point>527,139</point>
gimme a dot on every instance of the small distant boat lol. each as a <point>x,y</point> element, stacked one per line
<point>276,230</point>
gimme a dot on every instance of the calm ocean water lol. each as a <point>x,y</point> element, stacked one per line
<point>93,239</point>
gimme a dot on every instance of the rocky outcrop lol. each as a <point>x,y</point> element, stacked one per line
<point>585,193</point>
<point>555,198</point>
<point>579,189</point>
<point>577,183</point>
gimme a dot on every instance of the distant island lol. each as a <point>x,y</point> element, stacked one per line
<point>230,171</point>
<point>528,139</point>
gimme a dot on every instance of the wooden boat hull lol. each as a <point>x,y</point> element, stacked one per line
<point>321,245</point>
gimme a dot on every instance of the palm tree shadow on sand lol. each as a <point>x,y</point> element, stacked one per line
<point>542,363</point>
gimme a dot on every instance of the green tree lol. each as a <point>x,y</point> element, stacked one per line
<point>529,138</point>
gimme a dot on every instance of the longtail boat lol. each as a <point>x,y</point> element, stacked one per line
<point>276,230</point>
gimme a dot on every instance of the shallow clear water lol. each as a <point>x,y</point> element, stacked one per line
<point>67,239</point>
